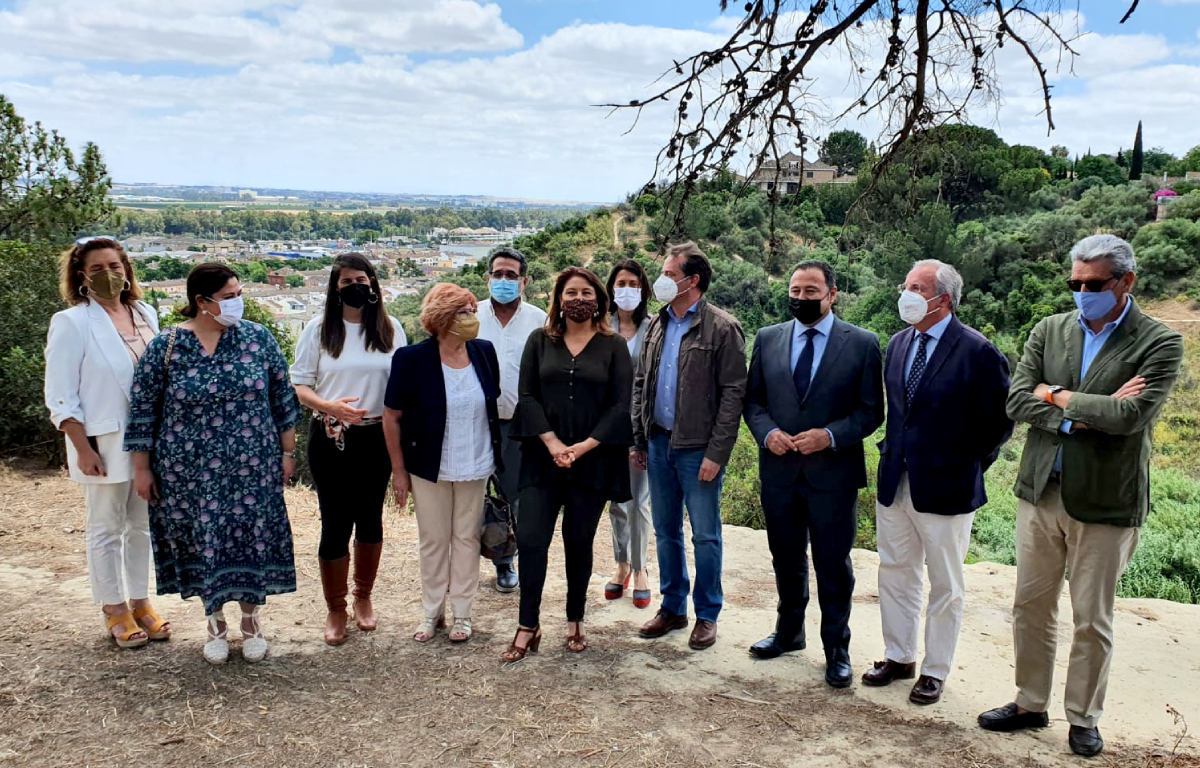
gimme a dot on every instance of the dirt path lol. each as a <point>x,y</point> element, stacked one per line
<point>67,698</point>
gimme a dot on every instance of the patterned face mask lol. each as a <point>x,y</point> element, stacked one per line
<point>580,310</point>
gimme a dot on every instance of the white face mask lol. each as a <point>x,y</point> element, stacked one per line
<point>666,290</point>
<point>231,311</point>
<point>914,307</point>
<point>627,299</point>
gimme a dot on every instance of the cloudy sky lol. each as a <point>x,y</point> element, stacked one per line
<point>477,97</point>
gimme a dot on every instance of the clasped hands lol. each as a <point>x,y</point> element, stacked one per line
<point>565,455</point>
<point>807,442</point>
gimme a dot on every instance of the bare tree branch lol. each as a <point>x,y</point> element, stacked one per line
<point>753,97</point>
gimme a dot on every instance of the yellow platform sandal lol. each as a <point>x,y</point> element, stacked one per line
<point>155,626</point>
<point>127,629</point>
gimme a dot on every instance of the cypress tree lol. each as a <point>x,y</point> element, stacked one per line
<point>1135,163</point>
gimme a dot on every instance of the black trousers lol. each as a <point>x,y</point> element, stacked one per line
<point>795,515</point>
<point>351,486</point>
<point>581,510</point>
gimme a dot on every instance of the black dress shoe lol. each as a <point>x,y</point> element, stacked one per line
<point>772,647</point>
<point>506,578</point>
<point>1085,742</point>
<point>838,672</point>
<point>1007,719</point>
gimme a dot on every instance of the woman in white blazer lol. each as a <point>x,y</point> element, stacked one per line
<point>90,356</point>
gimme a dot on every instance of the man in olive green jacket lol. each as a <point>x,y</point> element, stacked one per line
<point>1090,384</point>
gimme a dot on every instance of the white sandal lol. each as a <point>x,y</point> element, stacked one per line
<point>461,631</point>
<point>216,650</point>
<point>427,629</point>
<point>254,644</point>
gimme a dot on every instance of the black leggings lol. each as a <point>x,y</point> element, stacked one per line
<point>351,486</point>
<point>582,508</point>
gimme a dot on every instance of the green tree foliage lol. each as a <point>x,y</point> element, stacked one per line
<point>844,150</point>
<point>46,193</point>
<point>1103,168</point>
<point>28,298</point>
<point>294,281</point>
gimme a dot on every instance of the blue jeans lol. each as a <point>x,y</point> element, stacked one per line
<point>674,483</point>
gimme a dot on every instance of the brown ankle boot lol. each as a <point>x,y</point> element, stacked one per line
<point>366,565</point>
<point>334,574</point>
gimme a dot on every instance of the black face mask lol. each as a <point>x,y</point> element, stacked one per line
<point>356,296</point>
<point>807,311</point>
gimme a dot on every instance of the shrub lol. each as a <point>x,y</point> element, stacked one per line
<point>28,298</point>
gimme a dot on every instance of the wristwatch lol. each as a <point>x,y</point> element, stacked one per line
<point>1053,390</point>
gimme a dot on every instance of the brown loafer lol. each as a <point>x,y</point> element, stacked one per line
<point>662,623</point>
<point>704,634</point>
<point>928,690</point>
<point>884,672</point>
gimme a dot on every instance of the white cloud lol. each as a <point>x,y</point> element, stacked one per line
<point>236,32</point>
<point>518,123</point>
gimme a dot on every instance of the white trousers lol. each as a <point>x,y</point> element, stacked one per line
<point>909,542</point>
<point>118,543</point>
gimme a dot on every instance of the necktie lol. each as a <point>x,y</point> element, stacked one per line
<point>918,368</point>
<point>803,373</point>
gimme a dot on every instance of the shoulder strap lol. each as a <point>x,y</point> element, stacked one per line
<point>170,349</point>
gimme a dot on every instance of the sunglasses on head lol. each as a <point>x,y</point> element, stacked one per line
<point>86,240</point>
<point>1093,286</point>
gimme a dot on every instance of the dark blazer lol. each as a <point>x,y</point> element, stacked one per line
<point>845,397</point>
<point>954,429</point>
<point>417,389</point>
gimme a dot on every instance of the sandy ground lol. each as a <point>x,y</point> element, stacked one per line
<point>69,698</point>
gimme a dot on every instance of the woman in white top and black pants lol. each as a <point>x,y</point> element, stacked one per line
<point>90,357</point>
<point>341,371</point>
<point>443,433</point>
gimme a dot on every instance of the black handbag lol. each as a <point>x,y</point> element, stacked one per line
<point>497,539</point>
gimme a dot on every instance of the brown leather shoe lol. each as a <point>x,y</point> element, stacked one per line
<point>662,623</point>
<point>366,566</point>
<point>884,672</point>
<point>928,690</point>
<point>704,634</point>
<point>333,584</point>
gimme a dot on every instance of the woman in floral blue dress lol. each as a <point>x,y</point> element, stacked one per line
<point>212,431</point>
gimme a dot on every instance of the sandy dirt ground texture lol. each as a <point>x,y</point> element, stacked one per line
<point>69,698</point>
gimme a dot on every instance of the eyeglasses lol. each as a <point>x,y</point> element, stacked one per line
<point>1093,286</point>
<point>505,276</point>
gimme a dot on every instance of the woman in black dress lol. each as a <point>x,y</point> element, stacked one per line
<point>573,420</point>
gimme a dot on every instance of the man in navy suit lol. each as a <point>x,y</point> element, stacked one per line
<point>815,392</point>
<point>946,391</point>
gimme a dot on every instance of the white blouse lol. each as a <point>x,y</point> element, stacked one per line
<point>354,373</point>
<point>467,443</point>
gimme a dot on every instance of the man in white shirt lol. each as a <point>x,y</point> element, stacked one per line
<point>507,321</point>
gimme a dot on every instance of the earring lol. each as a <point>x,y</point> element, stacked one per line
<point>82,291</point>
<point>374,299</point>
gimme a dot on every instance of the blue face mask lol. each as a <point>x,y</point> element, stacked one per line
<point>504,291</point>
<point>1095,306</point>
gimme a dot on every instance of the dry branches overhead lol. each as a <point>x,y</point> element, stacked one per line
<point>903,65</point>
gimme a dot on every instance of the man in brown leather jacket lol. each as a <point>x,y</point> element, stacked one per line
<point>687,403</point>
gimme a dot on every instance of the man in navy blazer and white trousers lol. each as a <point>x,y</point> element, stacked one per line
<point>815,393</point>
<point>946,389</point>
